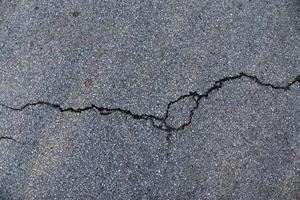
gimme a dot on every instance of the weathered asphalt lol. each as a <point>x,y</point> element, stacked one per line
<point>150,99</point>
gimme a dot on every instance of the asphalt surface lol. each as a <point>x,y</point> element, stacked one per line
<point>150,99</point>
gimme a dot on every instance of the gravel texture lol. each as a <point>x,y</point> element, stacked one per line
<point>150,99</point>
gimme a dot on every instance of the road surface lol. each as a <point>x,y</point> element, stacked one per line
<point>150,99</point>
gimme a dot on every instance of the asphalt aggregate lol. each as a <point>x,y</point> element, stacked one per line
<point>115,99</point>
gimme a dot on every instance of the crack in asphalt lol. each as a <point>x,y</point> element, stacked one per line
<point>156,121</point>
<point>8,138</point>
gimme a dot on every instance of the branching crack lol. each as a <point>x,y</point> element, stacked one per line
<point>156,121</point>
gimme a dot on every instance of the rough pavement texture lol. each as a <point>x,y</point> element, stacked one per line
<point>150,99</point>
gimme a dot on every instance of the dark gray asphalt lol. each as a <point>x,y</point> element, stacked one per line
<point>150,99</point>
